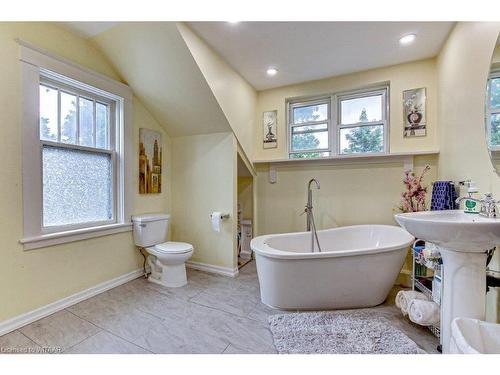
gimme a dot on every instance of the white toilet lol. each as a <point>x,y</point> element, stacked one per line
<point>167,259</point>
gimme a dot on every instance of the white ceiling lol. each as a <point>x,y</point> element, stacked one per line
<point>304,51</point>
<point>87,29</point>
<point>154,60</point>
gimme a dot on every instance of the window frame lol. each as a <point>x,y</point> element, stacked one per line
<point>306,103</point>
<point>494,74</point>
<point>334,120</point>
<point>384,92</point>
<point>62,86</point>
<point>38,67</point>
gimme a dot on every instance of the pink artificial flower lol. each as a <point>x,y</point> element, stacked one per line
<point>413,198</point>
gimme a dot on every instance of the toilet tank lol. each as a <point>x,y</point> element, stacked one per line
<point>150,229</point>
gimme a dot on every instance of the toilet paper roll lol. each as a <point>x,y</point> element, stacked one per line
<point>216,221</point>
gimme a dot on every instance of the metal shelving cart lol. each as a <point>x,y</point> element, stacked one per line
<point>423,274</point>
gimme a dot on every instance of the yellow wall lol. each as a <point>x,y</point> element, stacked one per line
<point>245,196</point>
<point>235,95</point>
<point>496,54</point>
<point>463,67</point>
<point>153,58</point>
<point>401,77</point>
<point>204,167</point>
<point>31,279</point>
<point>349,194</point>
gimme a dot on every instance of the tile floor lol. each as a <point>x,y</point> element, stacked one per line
<point>213,314</point>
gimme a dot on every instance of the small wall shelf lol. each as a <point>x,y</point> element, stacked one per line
<point>406,158</point>
<point>375,158</point>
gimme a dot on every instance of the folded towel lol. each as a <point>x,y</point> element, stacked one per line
<point>404,297</point>
<point>444,196</point>
<point>425,313</point>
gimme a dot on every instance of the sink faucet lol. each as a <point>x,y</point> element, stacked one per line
<point>488,208</point>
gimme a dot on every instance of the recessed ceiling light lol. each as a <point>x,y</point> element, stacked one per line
<point>272,71</point>
<point>407,39</point>
<point>233,22</point>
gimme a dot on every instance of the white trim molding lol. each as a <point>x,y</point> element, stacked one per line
<point>35,64</point>
<point>21,320</point>
<point>51,239</point>
<point>224,271</point>
<point>349,159</point>
<point>43,58</point>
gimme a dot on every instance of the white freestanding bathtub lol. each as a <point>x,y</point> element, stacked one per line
<point>357,267</point>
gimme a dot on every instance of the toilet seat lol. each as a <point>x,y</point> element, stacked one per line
<point>173,247</point>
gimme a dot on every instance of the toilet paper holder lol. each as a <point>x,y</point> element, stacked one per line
<point>222,216</point>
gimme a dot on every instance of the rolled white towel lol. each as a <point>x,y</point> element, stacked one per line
<point>425,313</point>
<point>404,297</point>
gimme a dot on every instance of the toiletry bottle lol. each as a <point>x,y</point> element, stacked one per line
<point>471,206</point>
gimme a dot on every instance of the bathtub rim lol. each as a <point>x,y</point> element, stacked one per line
<point>260,248</point>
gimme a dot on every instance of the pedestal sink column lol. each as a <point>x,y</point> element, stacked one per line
<point>464,289</point>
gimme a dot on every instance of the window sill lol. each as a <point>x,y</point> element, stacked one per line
<point>349,159</point>
<point>52,239</point>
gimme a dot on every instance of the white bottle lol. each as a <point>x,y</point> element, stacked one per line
<point>471,206</point>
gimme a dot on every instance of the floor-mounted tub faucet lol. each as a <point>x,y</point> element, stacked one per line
<point>309,205</point>
<point>311,226</point>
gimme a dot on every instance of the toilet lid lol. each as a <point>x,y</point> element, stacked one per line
<point>174,247</point>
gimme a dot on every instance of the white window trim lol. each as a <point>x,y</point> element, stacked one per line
<point>491,111</point>
<point>334,125</point>
<point>34,62</point>
<point>307,102</point>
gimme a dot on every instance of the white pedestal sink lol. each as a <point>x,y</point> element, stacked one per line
<point>464,240</point>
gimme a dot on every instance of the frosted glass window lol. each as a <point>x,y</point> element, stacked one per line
<point>68,118</point>
<point>48,113</point>
<point>86,122</point>
<point>77,186</point>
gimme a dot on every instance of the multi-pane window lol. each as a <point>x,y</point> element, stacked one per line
<point>78,156</point>
<point>493,111</point>
<point>362,122</point>
<point>309,129</point>
<point>340,124</point>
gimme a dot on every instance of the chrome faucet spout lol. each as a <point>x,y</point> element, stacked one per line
<point>311,227</point>
<point>311,181</point>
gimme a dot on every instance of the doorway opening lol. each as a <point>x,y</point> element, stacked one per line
<point>245,213</point>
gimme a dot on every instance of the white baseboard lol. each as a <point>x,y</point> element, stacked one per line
<point>21,320</point>
<point>225,271</point>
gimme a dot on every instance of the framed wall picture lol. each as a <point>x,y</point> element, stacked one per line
<point>414,112</point>
<point>150,157</point>
<point>270,122</point>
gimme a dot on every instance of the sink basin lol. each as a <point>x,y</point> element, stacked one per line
<point>453,229</point>
<point>463,240</point>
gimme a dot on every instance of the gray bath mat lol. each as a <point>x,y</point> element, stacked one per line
<point>338,332</point>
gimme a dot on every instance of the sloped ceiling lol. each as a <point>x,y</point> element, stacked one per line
<point>155,61</point>
<point>304,51</point>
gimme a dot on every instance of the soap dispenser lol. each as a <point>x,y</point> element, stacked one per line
<point>470,205</point>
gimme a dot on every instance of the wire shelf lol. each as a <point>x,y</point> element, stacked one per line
<point>436,331</point>
<point>436,267</point>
